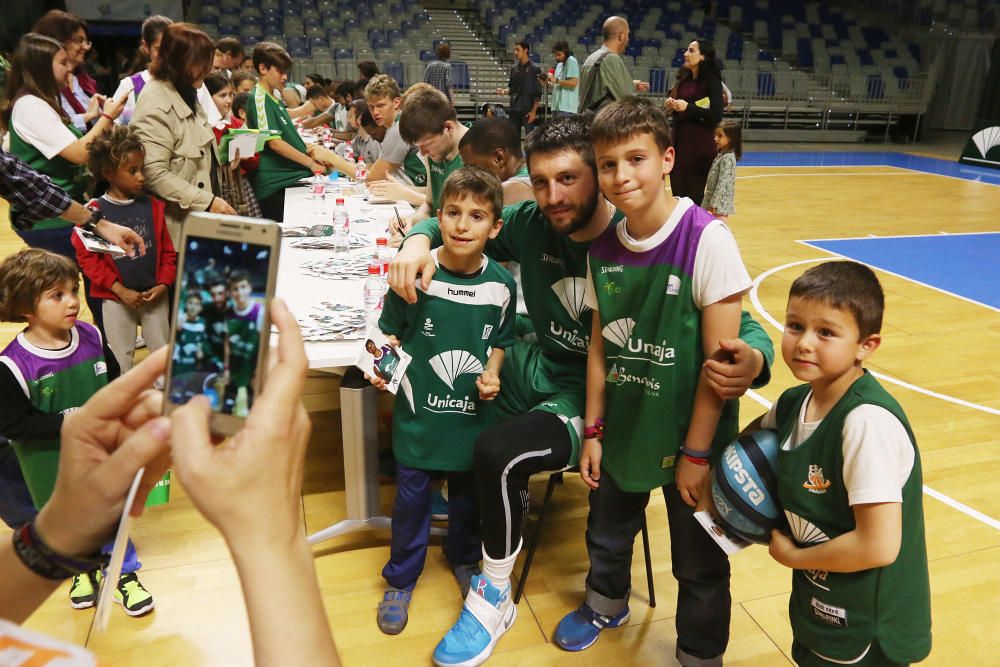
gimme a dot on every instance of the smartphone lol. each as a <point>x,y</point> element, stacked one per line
<point>227,270</point>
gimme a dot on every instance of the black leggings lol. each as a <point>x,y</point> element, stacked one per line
<point>506,456</point>
<point>273,206</point>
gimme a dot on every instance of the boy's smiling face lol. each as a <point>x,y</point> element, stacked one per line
<point>466,224</point>
<point>822,343</point>
<point>631,172</point>
<point>240,293</point>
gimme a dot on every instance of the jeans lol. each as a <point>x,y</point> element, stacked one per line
<point>16,506</point>
<point>699,565</point>
<point>411,524</point>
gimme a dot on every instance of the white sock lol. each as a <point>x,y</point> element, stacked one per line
<point>498,571</point>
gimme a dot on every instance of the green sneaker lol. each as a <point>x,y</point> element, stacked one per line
<point>83,592</point>
<point>130,594</point>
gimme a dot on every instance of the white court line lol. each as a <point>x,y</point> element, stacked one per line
<point>856,173</point>
<point>947,500</point>
<point>897,236</point>
<point>899,275</point>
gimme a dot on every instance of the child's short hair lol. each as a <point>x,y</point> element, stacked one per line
<point>425,112</point>
<point>382,85</point>
<point>566,133</point>
<point>231,46</point>
<point>193,295</point>
<point>476,182</point>
<point>488,134</point>
<point>270,55</point>
<point>109,151</point>
<point>26,275</point>
<point>734,132</point>
<point>241,75</point>
<point>236,277</point>
<point>629,117</point>
<point>845,285</point>
<point>240,103</point>
<point>217,81</point>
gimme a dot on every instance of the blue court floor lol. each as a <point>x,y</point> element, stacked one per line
<point>870,159</point>
<point>967,265</point>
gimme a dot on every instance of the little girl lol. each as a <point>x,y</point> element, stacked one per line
<point>134,291</point>
<point>232,177</point>
<point>720,187</point>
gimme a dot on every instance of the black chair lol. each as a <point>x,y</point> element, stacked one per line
<point>557,478</point>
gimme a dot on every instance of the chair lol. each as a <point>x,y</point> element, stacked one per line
<point>557,478</point>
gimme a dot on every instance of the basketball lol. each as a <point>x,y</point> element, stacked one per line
<point>745,486</point>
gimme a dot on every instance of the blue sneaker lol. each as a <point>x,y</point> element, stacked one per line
<point>488,613</point>
<point>580,629</point>
<point>439,505</point>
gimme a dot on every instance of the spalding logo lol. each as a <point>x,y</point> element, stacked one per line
<point>742,476</point>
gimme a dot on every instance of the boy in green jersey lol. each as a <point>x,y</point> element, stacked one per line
<point>49,370</point>
<point>429,123</point>
<point>665,286</point>
<point>284,160</point>
<point>399,173</point>
<point>456,333</point>
<point>849,480</point>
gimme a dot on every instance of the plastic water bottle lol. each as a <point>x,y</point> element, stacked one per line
<point>383,256</point>
<point>341,228</point>
<point>319,193</point>
<point>348,151</point>
<point>374,293</point>
<point>361,172</point>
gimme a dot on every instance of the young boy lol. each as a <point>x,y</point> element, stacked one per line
<point>243,81</point>
<point>399,160</point>
<point>849,480</point>
<point>192,338</point>
<point>284,160</point>
<point>429,123</point>
<point>494,145</point>
<point>242,337</point>
<point>456,332</point>
<point>665,286</point>
<point>52,368</point>
<point>133,291</point>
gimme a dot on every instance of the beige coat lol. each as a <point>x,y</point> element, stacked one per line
<point>178,145</point>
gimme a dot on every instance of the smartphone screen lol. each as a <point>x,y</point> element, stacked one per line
<point>220,323</point>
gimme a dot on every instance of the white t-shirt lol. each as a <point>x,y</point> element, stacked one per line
<point>718,267</point>
<point>82,97</point>
<point>127,87</point>
<point>394,151</point>
<point>39,125</point>
<point>878,454</point>
<point>208,104</point>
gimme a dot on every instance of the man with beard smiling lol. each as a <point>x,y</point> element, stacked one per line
<point>543,383</point>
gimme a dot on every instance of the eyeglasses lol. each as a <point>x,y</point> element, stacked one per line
<point>80,40</point>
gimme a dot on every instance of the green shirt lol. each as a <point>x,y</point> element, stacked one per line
<point>839,614</point>
<point>70,177</point>
<point>604,78</point>
<point>449,333</point>
<point>274,172</point>
<point>243,331</point>
<point>439,172</point>
<point>567,99</point>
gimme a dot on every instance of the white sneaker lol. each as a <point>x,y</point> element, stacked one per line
<point>487,615</point>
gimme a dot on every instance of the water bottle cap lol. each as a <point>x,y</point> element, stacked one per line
<point>340,200</point>
<point>381,241</point>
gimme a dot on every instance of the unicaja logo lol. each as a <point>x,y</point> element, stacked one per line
<point>449,365</point>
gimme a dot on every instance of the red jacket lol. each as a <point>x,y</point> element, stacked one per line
<point>247,164</point>
<point>102,271</point>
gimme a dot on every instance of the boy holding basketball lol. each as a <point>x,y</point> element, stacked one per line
<point>850,483</point>
<point>665,286</point>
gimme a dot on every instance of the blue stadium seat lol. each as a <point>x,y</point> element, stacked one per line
<point>343,54</point>
<point>900,72</point>
<point>765,84</point>
<point>804,52</point>
<point>657,80</point>
<point>460,75</point>
<point>229,31</point>
<point>865,57</point>
<point>396,71</point>
<point>427,55</point>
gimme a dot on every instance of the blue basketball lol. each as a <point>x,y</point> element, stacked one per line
<point>745,486</point>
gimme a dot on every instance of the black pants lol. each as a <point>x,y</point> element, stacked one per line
<point>699,565</point>
<point>506,456</point>
<point>273,207</point>
<point>519,118</point>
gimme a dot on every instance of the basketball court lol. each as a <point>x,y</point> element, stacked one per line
<point>931,229</point>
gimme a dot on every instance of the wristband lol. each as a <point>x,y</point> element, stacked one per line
<point>43,561</point>
<point>104,115</point>
<point>696,453</point>
<point>595,431</point>
<point>698,461</point>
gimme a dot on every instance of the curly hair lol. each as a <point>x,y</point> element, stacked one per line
<point>26,276</point>
<point>109,151</point>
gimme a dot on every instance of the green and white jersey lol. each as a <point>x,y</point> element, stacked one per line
<point>274,173</point>
<point>192,341</point>
<point>411,169</point>
<point>56,381</point>
<point>439,172</point>
<point>839,614</point>
<point>449,333</point>
<point>243,329</point>
<point>649,295</point>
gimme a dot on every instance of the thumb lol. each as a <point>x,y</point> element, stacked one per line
<point>191,441</point>
<point>149,444</point>
<point>427,274</point>
<point>730,344</point>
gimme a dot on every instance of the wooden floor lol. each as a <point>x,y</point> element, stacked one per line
<point>931,340</point>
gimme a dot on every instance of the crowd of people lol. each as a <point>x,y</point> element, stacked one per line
<point>562,309</point>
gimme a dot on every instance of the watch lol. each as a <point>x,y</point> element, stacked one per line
<point>91,224</point>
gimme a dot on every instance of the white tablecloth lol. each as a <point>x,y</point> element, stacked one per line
<point>301,292</point>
